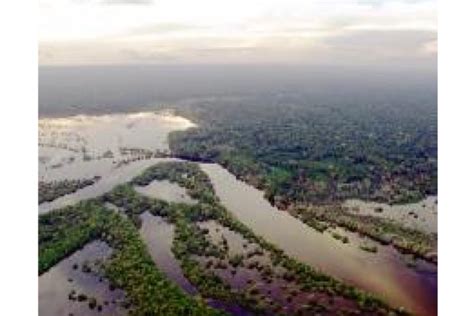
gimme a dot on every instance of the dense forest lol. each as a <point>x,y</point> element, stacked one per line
<point>299,150</point>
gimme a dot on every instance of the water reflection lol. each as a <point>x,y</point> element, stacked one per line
<point>165,190</point>
<point>385,273</point>
<point>158,236</point>
<point>55,286</point>
<point>422,215</point>
<point>110,178</point>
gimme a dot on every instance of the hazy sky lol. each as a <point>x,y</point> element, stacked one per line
<point>352,32</point>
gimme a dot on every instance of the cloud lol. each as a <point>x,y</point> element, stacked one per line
<point>393,40</point>
<point>129,2</point>
<point>379,3</point>
<point>353,47</point>
<point>407,47</point>
<point>246,31</point>
<point>163,28</point>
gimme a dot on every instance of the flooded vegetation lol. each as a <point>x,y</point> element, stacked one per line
<point>129,267</point>
<point>389,276</point>
<point>250,269</point>
<point>111,177</point>
<point>112,148</point>
<point>109,136</point>
<point>125,228</point>
<point>384,231</point>
<point>76,285</point>
<point>49,191</point>
<point>314,160</point>
<point>203,259</point>
<point>421,215</point>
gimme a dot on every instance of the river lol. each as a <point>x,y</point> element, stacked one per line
<point>384,272</point>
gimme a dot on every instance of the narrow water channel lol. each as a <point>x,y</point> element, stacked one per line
<point>110,178</point>
<point>158,236</point>
<point>383,273</point>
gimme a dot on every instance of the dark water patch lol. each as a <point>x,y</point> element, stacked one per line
<point>76,286</point>
<point>230,308</point>
<point>158,236</point>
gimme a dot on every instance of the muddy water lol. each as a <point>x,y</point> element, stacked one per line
<point>55,285</point>
<point>236,246</point>
<point>165,190</point>
<point>113,147</point>
<point>248,276</point>
<point>83,146</point>
<point>422,215</point>
<point>110,178</point>
<point>94,135</point>
<point>67,142</point>
<point>158,236</point>
<point>384,273</point>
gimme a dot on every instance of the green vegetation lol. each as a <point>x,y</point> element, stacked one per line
<point>148,292</point>
<point>191,243</point>
<point>369,248</point>
<point>50,191</point>
<point>314,157</point>
<point>64,231</point>
<point>299,151</point>
<point>343,239</point>
<point>384,231</point>
<point>130,268</point>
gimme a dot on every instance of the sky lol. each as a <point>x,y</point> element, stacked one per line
<point>316,32</point>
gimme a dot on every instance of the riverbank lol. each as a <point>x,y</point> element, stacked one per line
<point>401,284</point>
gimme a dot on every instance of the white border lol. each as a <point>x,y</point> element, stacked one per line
<point>455,182</point>
<point>19,99</point>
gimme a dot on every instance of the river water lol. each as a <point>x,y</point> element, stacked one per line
<point>422,215</point>
<point>158,236</point>
<point>113,147</point>
<point>110,177</point>
<point>165,190</point>
<point>384,272</point>
<point>55,285</point>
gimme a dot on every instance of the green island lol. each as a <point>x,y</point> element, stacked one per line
<point>204,260</point>
<point>130,268</point>
<point>50,191</point>
<point>406,240</point>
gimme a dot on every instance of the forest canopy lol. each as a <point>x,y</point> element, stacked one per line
<point>301,151</point>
